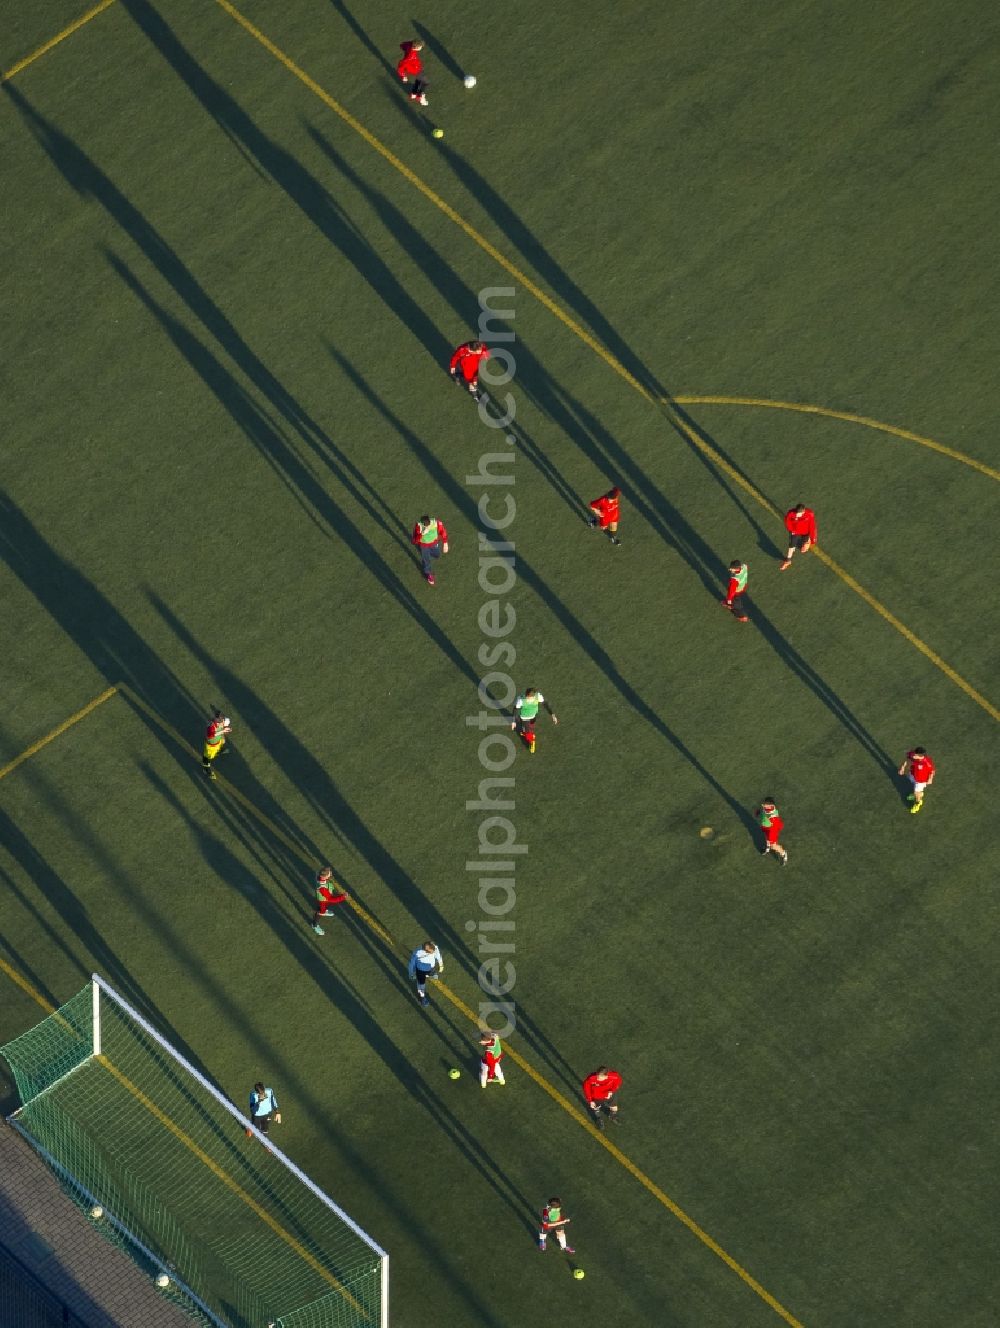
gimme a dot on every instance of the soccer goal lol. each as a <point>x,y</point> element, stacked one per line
<point>160,1160</point>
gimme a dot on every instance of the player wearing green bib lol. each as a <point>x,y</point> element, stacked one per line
<point>770,821</point>
<point>553,1220</point>
<point>738,573</point>
<point>431,539</point>
<point>526,709</point>
<point>489,1067</point>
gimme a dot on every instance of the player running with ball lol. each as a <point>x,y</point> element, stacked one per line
<point>553,1222</point>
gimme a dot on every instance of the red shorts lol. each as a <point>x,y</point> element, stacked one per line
<point>327,901</point>
<point>491,1061</point>
<point>773,831</point>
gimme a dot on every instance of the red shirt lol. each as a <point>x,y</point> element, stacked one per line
<point>599,1090</point>
<point>801,523</point>
<point>410,63</point>
<point>921,767</point>
<point>216,731</point>
<point>468,360</point>
<point>441,539</point>
<point>607,509</point>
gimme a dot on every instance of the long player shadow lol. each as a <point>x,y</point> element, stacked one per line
<point>344,996</point>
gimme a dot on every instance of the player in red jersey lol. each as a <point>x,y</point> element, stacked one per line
<point>431,539</point>
<point>737,588</point>
<point>769,819</point>
<point>328,896</point>
<point>598,1090</point>
<point>465,364</point>
<point>411,66</point>
<point>553,1221</point>
<point>219,727</point>
<point>490,1071</point>
<point>800,522</point>
<point>919,768</point>
<point>607,510</point>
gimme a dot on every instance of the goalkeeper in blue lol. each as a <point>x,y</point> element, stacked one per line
<point>263,1108</point>
<point>425,962</point>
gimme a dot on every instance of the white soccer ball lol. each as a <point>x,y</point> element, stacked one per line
<point>97,1211</point>
<point>469,80</point>
<point>162,1280</point>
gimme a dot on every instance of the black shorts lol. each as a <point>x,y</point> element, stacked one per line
<point>262,1122</point>
<point>798,542</point>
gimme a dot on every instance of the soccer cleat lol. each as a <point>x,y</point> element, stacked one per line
<point>592,522</point>
<point>615,540</point>
<point>430,579</point>
<point>742,618</point>
<point>423,100</point>
<point>786,563</point>
<point>568,1249</point>
<point>423,999</point>
<point>784,859</point>
<point>211,774</point>
<point>318,929</point>
<point>541,1247</point>
<point>531,746</point>
<point>916,806</point>
<point>765,850</point>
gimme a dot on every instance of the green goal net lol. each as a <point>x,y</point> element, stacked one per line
<point>136,1133</point>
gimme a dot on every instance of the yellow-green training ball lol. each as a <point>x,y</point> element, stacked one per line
<point>454,1074</point>
<point>579,1274</point>
<point>437,133</point>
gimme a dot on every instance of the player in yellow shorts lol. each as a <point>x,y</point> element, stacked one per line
<point>215,739</point>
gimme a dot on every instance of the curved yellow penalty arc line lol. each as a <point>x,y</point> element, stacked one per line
<point>581,332</point>
<point>804,408</point>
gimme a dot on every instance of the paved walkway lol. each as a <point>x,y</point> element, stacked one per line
<point>65,1251</point>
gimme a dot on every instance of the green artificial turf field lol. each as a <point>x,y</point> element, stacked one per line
<point>229,316</point>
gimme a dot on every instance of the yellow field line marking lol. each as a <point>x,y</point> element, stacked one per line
<point>581,332</point>
<point>249,806</point>
<point>825,558</point>
<point>388,155</point>
<point>56,732</point>
<point>804,408</point>
<point>577,1115</point>
<point>220,1172</point>
<point>31,990</point>
<point>75,26</point>
<point>650,1186</point>
<point>28,987</point>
